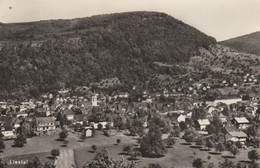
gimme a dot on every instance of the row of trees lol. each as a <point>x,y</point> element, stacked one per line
<point>252,155</point>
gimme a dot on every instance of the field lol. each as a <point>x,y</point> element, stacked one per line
<point>179,156</point>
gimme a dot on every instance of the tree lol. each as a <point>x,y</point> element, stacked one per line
<point>152,144</point>
<point>189,136</point>
<point>55,153</point>
<point>34,163</point>
<point>127,149</point>
<point>100,126</point>
<point>107,126</point>
<point>102,159</point>
<point>61,118</point>
<point>197,163</point>
<point>183,125</point>
<point>63,134</point>
<point>253,155</point>
<point>251,131</point>
<point>220,147</point>
<point>49,165</point>
<point>26,129</point>
<point>3,163</point>
<point>234,150</point>
<point>211,129</point>
<point>66,142</point>
<point>94,147</point>
<point>210,143</point>
<point>226,164</point>
<point>169,142</point>
<point>134,154</point>
<point>210,165</point>
<point>2,145</point>
<point>200,141</point>
<point>154,165</point>
<point>20,140</point>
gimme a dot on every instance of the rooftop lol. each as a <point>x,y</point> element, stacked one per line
<point>238,134</point>
<point>44,120</point>
<point>203,122</point>
<point>241,120</point>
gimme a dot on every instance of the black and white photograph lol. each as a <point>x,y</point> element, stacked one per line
<point>129,83</point>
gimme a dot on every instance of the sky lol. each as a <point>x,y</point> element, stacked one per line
<point>222,19</point>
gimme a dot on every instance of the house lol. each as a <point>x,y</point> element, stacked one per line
<point>69,113</point>
<point>88,132</point>
<point>21,114</point>
<point>241,123</point>
<point>123,95</point>
<point>236,136</point>
<point>174,123</point>
<point>201,124</point>
<point>222,118</point>
<point>179,117</point>
<point>80,119</point>
<point>15,122</point>
<point>45,123</point>
<point>94,100</point>
<point>8,132</point>
<point>227,101</point>
<point>104,124</point>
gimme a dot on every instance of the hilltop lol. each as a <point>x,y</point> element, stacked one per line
<point>248,43</point>
<point>38,57</point>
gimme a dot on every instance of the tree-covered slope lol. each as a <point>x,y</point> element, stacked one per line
<point>42,56</point>
<point>248,43</point>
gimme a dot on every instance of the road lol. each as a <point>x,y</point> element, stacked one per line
<point>66,159</point>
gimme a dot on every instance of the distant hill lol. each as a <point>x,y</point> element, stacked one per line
<point>43,56</point>
<point>249,43</point>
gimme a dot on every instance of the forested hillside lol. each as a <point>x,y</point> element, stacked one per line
<point>44,56</point>
<point>249,43</point>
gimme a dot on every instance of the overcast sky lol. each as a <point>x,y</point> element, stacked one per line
<point>222,19</point>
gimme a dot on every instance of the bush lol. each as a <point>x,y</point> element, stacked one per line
<point>154,165</point>
<point>55,153</point>
<point>197,163</point>
<point>100,126</point>
<point>169,142</point>
<point>94,147</point>
<point>106,133</point>
<point>183,126</point>
<point>127,149</point>
<point>20,140</point>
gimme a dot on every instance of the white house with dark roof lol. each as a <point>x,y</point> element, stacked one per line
<point>8,132</point>
<point>241,123</point>
<point>227,101</point>
<point>69,113</point>
<point>202,124</point>
<point>236,136</point>
<point>45,123</point>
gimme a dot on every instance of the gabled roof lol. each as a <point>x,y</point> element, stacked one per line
<point>222,115</point>
<point>80,117</point>
<point>238,134</point>
<point>68,112</point>
<point>203,122</point>
<point>241,120</point>
<point>44,120</point>
<point>40,110</point>
<point>231,129</point>
<point>7,128</point>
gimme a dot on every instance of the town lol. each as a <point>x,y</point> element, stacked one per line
<point>221,126</point>
<point>134,89</point>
